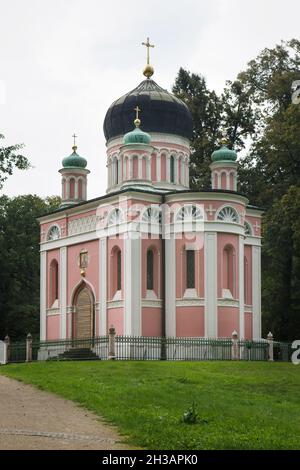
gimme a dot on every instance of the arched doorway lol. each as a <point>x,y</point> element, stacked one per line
<point>84,317</point>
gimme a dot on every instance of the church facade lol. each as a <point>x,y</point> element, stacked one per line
<point>151,257</point>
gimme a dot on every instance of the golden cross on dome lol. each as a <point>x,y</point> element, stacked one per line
<point>148,45</point>
<point>137,120</point>
<point>137,111</point>
<point>74,145</point>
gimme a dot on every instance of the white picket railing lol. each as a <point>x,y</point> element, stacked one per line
<point>3,358</point>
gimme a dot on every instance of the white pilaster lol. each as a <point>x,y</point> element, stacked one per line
<point>170,286</point>
<point>130,167</point>
<point>168,168</point>
<point>187,174</point>
<point>210,285</point>
<point>158,167</point>
<point>176,170</point>
<point>76,188</point>
<point>227,180</point>
<point>241,288</point>
<point>256,291</point>
<point>120,176</point>
<point>132,284</point>
<point>140,164</point>
<point>183,179</point>
<point>43,295</point>
<point>102,286</point>
<point>148,167</point>
<point>63,291</point>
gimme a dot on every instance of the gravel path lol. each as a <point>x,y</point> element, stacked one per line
<point>33,419</point>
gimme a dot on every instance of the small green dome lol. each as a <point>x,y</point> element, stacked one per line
<point>224,154</point>
<point>137,136</point>
<point>74,160</point>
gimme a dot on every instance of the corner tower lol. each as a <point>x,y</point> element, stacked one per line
<point>224,167</point>
<point>74,178</point>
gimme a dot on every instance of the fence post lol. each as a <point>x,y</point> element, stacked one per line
<point>7,349</point>
<point>271,348</point>
<point>112,343</point>
<point>235,346</point>
<point>29,348</point>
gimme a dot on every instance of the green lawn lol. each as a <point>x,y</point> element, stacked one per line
<point>244,405</point>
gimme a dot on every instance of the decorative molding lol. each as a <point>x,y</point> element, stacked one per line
<point>152,303</point>
<point>228,303</point>
<point>83,225</point>
<point>190,302</point>
<point>115,304</point>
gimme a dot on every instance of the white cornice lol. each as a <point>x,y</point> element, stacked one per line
<point>207,196</point>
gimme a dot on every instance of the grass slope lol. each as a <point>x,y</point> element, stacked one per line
<point>242,405</point>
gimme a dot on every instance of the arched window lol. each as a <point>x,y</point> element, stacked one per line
<point>228,270</point>
<point>228,214</point>
<point>190,269</point>
<point>172,169</point>
<point>80,196</point>
<point>248,230</point>
<point>115,273</point>
<point>72,188</point>
<point>115,217</point>
<point>116,164</point>
<point>53,282</point>
<point>119,270</point>
<point>150,263</point>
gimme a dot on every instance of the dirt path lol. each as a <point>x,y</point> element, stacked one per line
<point>33,419</point>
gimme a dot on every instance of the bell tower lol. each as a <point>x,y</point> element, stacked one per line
<point>224,167</point>
<point>74,178</point>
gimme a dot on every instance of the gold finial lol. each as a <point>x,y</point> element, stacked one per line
<point>74,145</point>
<point>148,70</point>
<point>137,120</point>
<point>224,140</point>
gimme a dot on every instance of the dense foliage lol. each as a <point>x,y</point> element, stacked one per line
<point>258,112</point>
<point>19,274</point>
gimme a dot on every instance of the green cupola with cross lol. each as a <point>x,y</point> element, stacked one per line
<point>224,167</point>
<point>74,178</point>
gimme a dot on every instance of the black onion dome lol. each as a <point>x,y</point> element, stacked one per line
<point>160,112</point>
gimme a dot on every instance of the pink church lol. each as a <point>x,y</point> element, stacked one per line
<point>151,257</point>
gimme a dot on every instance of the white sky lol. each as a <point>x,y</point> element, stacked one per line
<point>63,62</point>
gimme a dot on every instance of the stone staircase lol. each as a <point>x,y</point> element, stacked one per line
<point>78,354</point>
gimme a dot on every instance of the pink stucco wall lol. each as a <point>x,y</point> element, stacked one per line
<point>190,321</point>
<point>163,173</point>
<point>182,244</point>
<point>151,321</point>
<point>51,255</point>
<point>248,325</point>
<point>115,317</point>
<point>155,245</point>
<point>53,327</point>
<point>153,167</point>
<point>228,321</point>
<point>224,240</point>
<point>112,244</point>
<point>92,272</point>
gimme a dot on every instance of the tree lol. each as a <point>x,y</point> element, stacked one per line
<point>19,274</point>
<point>10,159</point>
<point>258,114</point>
<point>281,267</point>
<point>233,111</point>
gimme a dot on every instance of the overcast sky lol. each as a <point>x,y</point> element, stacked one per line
<point>63,62</point>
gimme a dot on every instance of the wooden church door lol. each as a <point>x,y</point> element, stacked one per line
<point>84,315</point>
